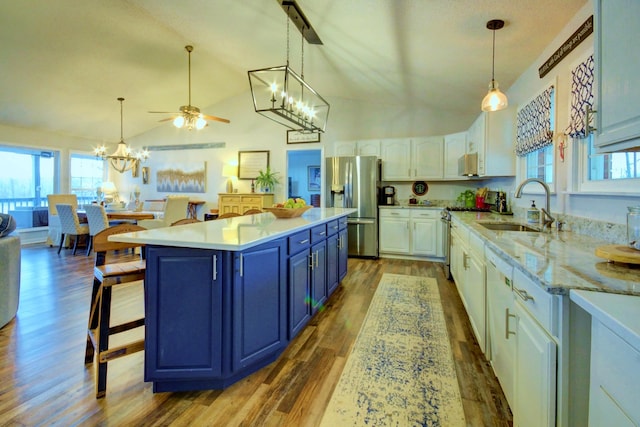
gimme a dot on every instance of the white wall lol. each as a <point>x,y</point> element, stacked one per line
<point>601,207</point>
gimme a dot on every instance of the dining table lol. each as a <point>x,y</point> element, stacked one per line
<point>129,215</point>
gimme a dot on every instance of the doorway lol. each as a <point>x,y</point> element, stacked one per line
<point>304,173</point>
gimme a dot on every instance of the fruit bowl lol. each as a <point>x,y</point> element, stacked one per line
<point>288,212</point>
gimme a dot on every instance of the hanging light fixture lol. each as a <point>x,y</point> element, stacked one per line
<point>494,100</point>
<point>280,94</point>
<point>122,159</point>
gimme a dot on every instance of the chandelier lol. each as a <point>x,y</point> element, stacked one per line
<point>280,94</point>
<point>494,100</point>
<point>123,159</point>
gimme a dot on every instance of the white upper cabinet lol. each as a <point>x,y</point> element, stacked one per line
<point>396,158</point>
<point>617,77</point>
<point>411,159</point>
<point>455,145</point>
<point>492,136</point>
<point>357,148</point>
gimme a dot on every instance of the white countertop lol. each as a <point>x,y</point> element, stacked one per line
<point>620,313</point>
<point>232,234</point>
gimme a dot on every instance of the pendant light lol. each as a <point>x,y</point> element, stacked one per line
<point>494,100</point>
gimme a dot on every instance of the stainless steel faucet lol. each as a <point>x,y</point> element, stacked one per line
<point>547,219</point>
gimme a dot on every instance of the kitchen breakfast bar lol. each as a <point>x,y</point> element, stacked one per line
<point>224,298</point>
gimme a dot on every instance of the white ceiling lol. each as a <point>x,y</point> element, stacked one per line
<point>64,62</point>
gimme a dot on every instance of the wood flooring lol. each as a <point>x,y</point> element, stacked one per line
<point>44,381</point>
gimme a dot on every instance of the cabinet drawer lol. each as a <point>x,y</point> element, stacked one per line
<point>342,223</point>
<point>299,242</point>
<point>332,227</point>
<point>229,199</point>
<point>425,213</point>
<point>395,213</point>
<point>256,200</point>
<point>460,231</point>
<point>318,233</point>
<point>542,305</point>
<point>476,244</point>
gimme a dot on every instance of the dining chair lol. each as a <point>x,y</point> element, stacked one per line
<point>70,225</point>
<point>252,212</point>
<point>98,221</point>
<point>185,221</point>
<point>106,276</point>
<point>53,237</point>
<point>175,208</point>
<point>228,215</point>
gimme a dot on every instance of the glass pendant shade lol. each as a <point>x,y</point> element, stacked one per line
<point>494,100</point>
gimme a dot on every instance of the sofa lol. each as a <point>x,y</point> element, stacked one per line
<point>10,268</point>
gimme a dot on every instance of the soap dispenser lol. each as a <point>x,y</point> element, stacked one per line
<point>533,214</point>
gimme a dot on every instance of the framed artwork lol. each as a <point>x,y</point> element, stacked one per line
<point>297,137</point>
<point>250,163</point>
<point>182,178</point>
<point>313,178</point>
<point>145,175</point>
<point>135,170</point>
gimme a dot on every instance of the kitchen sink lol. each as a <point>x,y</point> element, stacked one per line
<point>508,226</point>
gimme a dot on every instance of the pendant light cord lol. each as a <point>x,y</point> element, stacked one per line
<point>189,50</point>
<point>493,58</point>
<point>121,120</point>
<point>288,35</point>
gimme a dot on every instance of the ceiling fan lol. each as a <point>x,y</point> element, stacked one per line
<point>189,115</point>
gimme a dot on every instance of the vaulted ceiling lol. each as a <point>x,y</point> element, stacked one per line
<point>65,62</point>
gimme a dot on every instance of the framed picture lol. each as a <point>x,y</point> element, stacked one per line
<point>250,163</point>
<point>145,175</point>
<point>297,137</point>
<point>313,178</point>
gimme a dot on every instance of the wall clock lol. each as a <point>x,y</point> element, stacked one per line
<point>419,188</point>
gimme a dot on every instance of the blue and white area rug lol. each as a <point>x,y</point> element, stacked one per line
<point>400,371</point>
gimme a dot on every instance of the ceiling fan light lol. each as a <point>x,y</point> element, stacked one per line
<point>494,100</point>
<point>200,123</point>
<point>178,122</point>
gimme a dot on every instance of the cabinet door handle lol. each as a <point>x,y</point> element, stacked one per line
<point>215,267</point>
<point>523,294</point>
<point>241,260</point>
<point>507,315</point>
<point>302,242</point>
<point>465,258</point>
<point>322,233</point>
<point>317,258</point>
<point>311,260</point>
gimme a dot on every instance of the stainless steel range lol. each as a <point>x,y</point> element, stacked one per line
<point>445,216</point>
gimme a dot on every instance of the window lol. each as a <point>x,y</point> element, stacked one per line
<point>610,172</point>
<point>539,164</point>
<point>26,177</point>
<point>536,122</point>
<point>87,174</point>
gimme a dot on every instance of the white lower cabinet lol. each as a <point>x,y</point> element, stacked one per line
<point>536,355</point>
<point>394,231</point>
<point>415,232</point>
<point>501,322</point>
<point>615,379</point>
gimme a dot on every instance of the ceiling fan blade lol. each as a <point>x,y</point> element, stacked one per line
<point>218,119</point>
<point>167,119</point>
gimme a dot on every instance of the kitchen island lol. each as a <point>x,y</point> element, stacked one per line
<point>224,298</point>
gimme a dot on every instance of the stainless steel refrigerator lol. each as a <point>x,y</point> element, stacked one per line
<point>354,182</point>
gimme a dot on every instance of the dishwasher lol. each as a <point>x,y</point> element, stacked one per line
<point>501,321</point>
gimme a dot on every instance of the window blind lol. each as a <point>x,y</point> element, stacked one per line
<point>581,98</point>
<point>534,124</point>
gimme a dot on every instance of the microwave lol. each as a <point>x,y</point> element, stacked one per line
<point>468,165</point>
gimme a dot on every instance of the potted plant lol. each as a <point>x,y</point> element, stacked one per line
<point>467,198</point>
<point>267,180</point>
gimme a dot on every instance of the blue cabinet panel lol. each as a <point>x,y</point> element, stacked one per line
<point>318,276</point>
<point>183,314</point>
<point>259,302</point>
<point>343,251</point>
<point>333,279</point>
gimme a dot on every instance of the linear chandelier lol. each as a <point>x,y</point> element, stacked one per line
<point>281,95</point>
<point>123,159</point>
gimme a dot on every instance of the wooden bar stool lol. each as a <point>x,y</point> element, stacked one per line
<point>105,277</point>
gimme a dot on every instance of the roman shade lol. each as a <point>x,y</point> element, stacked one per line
<point>581,98</point>
<point>534,124</point>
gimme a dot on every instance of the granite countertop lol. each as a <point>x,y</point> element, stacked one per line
<point>557,260</point>
<point>232,234</point>
<point>408,206</point>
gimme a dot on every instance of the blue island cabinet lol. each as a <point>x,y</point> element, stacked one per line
<point>213,317</point>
